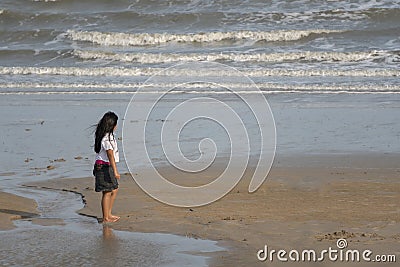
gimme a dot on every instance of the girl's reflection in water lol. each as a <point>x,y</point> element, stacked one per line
<point>110,242</point>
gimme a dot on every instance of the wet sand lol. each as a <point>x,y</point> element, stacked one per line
<point>298,207</point>
<point>14,207</point>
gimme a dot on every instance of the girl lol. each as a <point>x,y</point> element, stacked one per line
<point>105,168</point>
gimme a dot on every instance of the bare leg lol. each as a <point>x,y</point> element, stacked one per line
<point>112,199</point>
<point>105,206</point>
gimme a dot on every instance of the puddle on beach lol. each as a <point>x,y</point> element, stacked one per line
<point>61,246</point>
<point>84,242</point>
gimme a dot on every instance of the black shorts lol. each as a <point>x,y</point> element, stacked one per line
<point>105,178</point>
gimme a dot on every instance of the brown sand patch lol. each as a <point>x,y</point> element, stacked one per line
<point>14,207</point>
<point>295,208</point>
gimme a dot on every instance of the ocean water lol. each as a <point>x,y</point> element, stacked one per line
<point>284,46</point>
<point>329,69</point>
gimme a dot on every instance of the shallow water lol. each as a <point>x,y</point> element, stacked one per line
<point>305,124</point>
<point>62,245</point>
<point>84,242</point>
<point>66,246</point>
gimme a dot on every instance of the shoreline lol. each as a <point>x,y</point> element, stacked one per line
<point>296,207</point>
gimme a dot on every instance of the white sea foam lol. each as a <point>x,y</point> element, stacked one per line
<point>76,71</point>
<point>196,88</point>
<point>132,72</point>
<point>306,56</point>
<point>140,39</point>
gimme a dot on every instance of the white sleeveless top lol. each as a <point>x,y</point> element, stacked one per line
<point>108,142</point>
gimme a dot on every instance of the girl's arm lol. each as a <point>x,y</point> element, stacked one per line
<point>110,155</point>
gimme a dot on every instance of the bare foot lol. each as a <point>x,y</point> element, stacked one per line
<point>113,217</point>
<point>112,220</point>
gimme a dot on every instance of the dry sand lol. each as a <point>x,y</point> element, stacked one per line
<point>296,208</point>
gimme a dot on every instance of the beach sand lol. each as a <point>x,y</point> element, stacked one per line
<point>13,208</point>
<point>298,207</point>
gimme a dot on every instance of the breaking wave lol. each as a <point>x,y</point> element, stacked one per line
<point>306,56</point>
<point>195,88</point>
<point>141,39</point>
<point>115,71</point>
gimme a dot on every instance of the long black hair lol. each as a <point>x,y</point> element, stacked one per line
<point>104,126</point>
